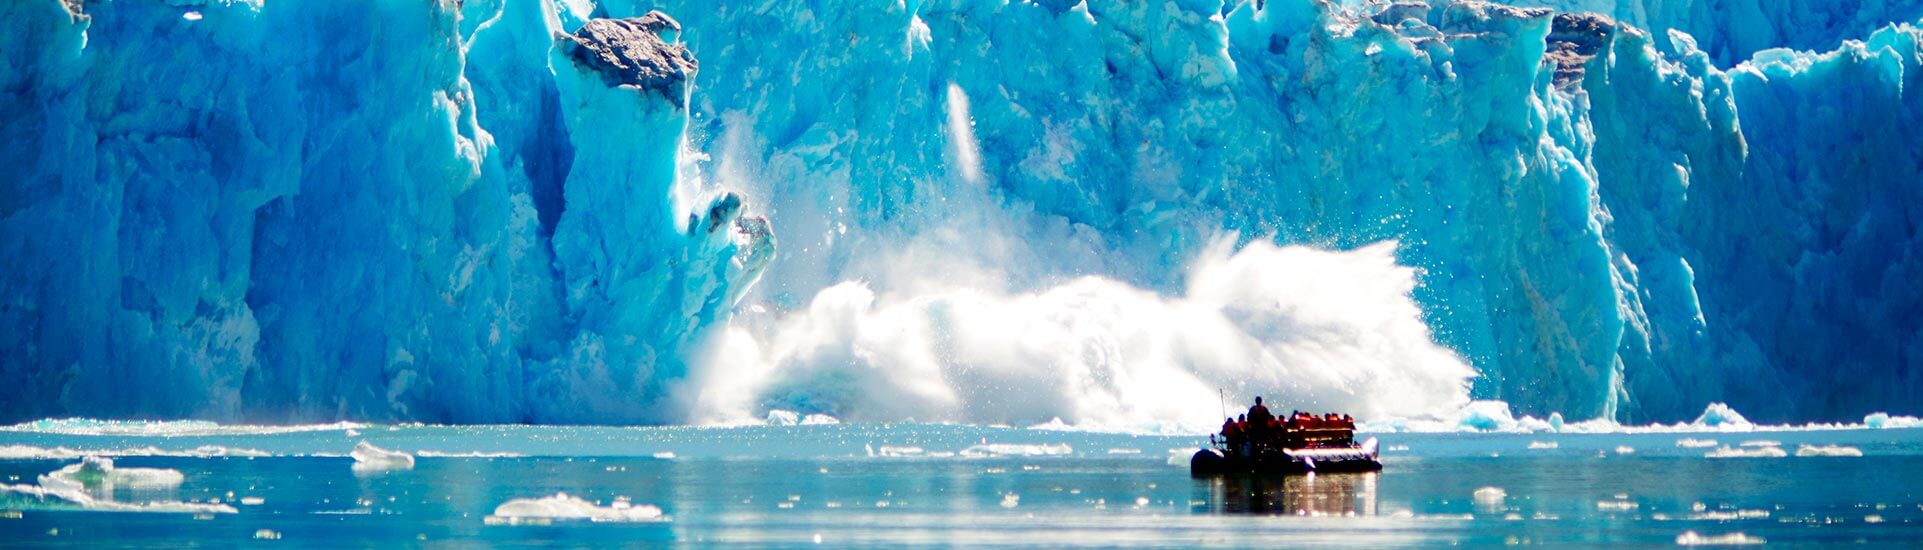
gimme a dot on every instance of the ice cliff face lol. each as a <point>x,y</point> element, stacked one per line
<point>285,210</point>
<point>991,210</point>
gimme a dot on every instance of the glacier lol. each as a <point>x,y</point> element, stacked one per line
<point>1101,211</point>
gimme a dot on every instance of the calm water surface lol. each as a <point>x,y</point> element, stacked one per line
<point>891,485</point>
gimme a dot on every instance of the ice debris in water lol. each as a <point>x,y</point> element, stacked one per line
<point>1807,450</point>
<point>1015,449</point>
<point>1691,538</point>
<point>1747,452</point>
<point>1490,499</point>
<point>562,506</point>
<point>371,459</point>
<point>90,485</point>
<point>1720,415</point>
<point>1538,445</point>
<point>1884,420</point>
<point>1693,443</point>
<point>778,417</point>
<point>99,476</point>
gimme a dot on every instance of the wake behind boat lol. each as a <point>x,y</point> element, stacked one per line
<point>1260,443</point>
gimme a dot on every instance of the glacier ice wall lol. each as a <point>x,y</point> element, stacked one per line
<point>480,211</point>
<point>290,210</point>
<point>1568,184</point>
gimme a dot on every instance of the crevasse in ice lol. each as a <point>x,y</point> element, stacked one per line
<point>498,210</point>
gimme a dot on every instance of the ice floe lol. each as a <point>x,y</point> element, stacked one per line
<point>564,507</point>
<point>1807,450</point>
<point>1691,538</point>
<point>90,484</point>
<point>780,417</point>
<point>1746,452</point>
<point>369,459</point>
<point>1016,449</point>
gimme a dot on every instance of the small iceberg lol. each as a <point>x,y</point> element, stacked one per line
<point>1489,500</point>
<point>1721,416</point>
<point>564,507</point>
<point>778,417</point>
<point>1693,443</point>
<point>1690,538</point>
<point>1881,421</point>
<point>1747,452</point>
<point>1807,450</point>
<point>369,459</point>
<point>89,485</point>
<point>1013,449</point>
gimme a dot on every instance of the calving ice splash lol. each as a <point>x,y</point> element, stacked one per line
<point>1330,329</point>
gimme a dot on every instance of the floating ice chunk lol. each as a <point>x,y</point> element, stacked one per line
<point>1016,449</point>
<point>1693,443</point>
<point>664,455</point>
<point>1618,505</point>
<point>267,534</point>
<point>98,476</point>
<point>1727,515</point>
<point>778,417</point>
<point>1486,416</point>
<point>1625,450</point>
<point>1011,500</point>
<point>561,506</point>
<point>1719,415</point>
<point>1181,456</point>
<point>1884,420</point>
<point>1124,451</point>
<point>1807,450</point>
<point>1756,443</point>
<point>371,459</point>
<point>1690,538</point>
<point>892,451</point>
<point>1490,499</point>
<point>89,485</point>
<point>1543,445</point>
<point>1755,452</point>
<point>252,501</point>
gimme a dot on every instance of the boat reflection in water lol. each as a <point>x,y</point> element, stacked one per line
<point>1295,495</point>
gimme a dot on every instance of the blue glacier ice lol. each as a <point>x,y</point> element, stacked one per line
<point>988,210</point>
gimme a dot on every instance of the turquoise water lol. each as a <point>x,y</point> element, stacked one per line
<point>893,485</point>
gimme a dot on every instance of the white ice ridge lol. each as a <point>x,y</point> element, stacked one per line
<point>778,417</point>
<point>562,506</point>
<point>371,459</point>
<point>1495,416</point>
<point>163,428</point>
<point>31,452</point>
<point>1806,450</point>
<point>1016,449</point>
<point>91,483</point>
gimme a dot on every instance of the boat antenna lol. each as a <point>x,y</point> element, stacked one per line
<point>1224,398</point>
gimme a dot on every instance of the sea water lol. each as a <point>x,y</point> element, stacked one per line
<point>915,484</point>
